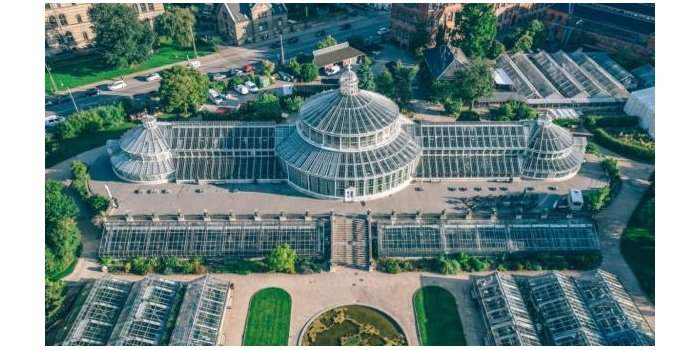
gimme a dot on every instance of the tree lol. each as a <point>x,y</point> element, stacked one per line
<point>364,74</point>
<point>475,29</point>
<point>292,104</point>
<point>294,67</point>
<point>497,48</point>
<point>473,82</point>
<point>326,42</point>
<point>385,84</point>
<point>524,42</point>
<point>448,266</point>
<point>308,72</point>
<point>404,78</point>
<point>453,107</point>
<point>282,259</point>
<point>268,68</point>
<point>54,293</point>
<point>182,90</point>
<point>177,23</point>
<point>58,205</point>
<point>266,107</point>
<point>63,241</point>
<point>120,37</point>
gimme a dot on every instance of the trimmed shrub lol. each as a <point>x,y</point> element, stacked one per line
<point>628,150</point>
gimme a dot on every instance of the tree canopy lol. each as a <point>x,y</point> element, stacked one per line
<point>385,84</point>
<point>473,82</point>
<point>120,37</point>
<point>365,75</point>
<point>268,68</point>
<point>182,90</point>
<point>404,78</point>
<point>475,29</point>
<point>308,72</point>
<point>326,42</point>
<point>62,237</point>
<point>282,259</point>
<point>177,23</point>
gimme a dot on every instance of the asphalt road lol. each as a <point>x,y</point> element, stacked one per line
<point>227,57</point>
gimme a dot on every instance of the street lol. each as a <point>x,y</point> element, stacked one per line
<point>229,57</point>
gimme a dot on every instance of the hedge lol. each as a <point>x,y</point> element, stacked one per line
<point>597,121</point>
<point>628,150</point>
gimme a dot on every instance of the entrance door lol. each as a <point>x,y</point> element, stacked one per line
<point>349,194</point>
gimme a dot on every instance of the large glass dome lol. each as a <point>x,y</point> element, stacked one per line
<point>349,144</point>
<point>552,153</point>
<point>349,118</point>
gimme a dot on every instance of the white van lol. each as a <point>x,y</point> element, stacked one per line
<point>575,199</point>
<point>52,119</point>
<point>215,97</point>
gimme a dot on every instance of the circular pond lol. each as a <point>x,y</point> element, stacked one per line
<point>353,325</point>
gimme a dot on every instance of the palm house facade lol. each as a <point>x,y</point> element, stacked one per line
<point>348,144</point>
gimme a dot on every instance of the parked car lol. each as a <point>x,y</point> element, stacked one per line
<point>285,76</point>
<point>248,68</point>
<point>332,70</point>
<point>230,97</point>
<point>383,30</point>
<point>215,97</point>
<point>153,77</point>
<point>241,89</point>
<point>235,72</point>
<point>116,85</point>
<point>217,76</point>
<point>194,64</point>
<point>320,33</point>
<point>346,26</point>
<point>293,40</point>
<point>251,86</point>
<point>92,92</point>
<point>52,119</point>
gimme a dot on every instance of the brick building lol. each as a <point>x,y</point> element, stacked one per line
<point>68,25</point>
<point>251,22</point>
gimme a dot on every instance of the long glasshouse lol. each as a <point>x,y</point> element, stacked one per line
<point>118,312</point>
<point>554,309</point>
<point>349,144</point>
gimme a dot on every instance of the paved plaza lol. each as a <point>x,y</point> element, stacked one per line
<point>276,197</point>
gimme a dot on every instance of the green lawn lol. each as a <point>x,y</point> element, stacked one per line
<point>437,317</point>
<point>85,69</point>
<point>268,318</point>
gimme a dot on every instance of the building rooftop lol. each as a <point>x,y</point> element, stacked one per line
<point>443,61</point>
<point>335,54</point>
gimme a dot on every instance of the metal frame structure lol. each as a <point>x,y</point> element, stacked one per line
<point>210,236</point>
<point>202,312</point>
<point>612,308</point>
<point>99,312</point>
<point>504,311</point>
<point>148,308</point>
<point>426,236</point>
<point>562,311</point>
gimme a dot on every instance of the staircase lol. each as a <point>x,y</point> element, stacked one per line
<point>349,246</point>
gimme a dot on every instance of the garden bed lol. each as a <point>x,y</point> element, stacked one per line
<point>353,325</point>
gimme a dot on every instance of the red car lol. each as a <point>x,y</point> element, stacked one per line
<point>248,68</point>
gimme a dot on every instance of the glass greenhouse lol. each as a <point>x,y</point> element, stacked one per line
<point>351,144</point>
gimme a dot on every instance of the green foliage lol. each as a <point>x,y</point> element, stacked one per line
<point>357,42</point>
<point>596,121</point>
<point>326,42</point>
<point>282,259</point>
<point>404,78</point>
<point>218,85</point>
<point>92,120</point>
<point>365,75</point>
<point>265,107</point>
<point>81,178</point>
<point>496,49</point>
<point>98,204</point>
<point>469,116</point>
<point>532,35</point>
<point>268,68</point>
<point>567,122</point>
<point>633,151</point>
<point>294,67</point>
<point>453,107</point>
<point>513,110</point>
<point>448,266</point>
<point>182,90</point>
<point>292,104</point>
<point>475,29</point>
<point>598,198</point>
<point>177,23</point>
<point>58,205</point>
<point>143,266</point>
<point>308,72</point>
<point>239,266</point>
<point>120,37</point>
<point>638,242</point>
<point>385,84</point>
<point>54,294</point>
<point>306,266</point>
<point>473,82</point>
<point>593,149</point>
<point>440,90</point>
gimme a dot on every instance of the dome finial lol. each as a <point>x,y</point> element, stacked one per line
<point>349,84</point>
